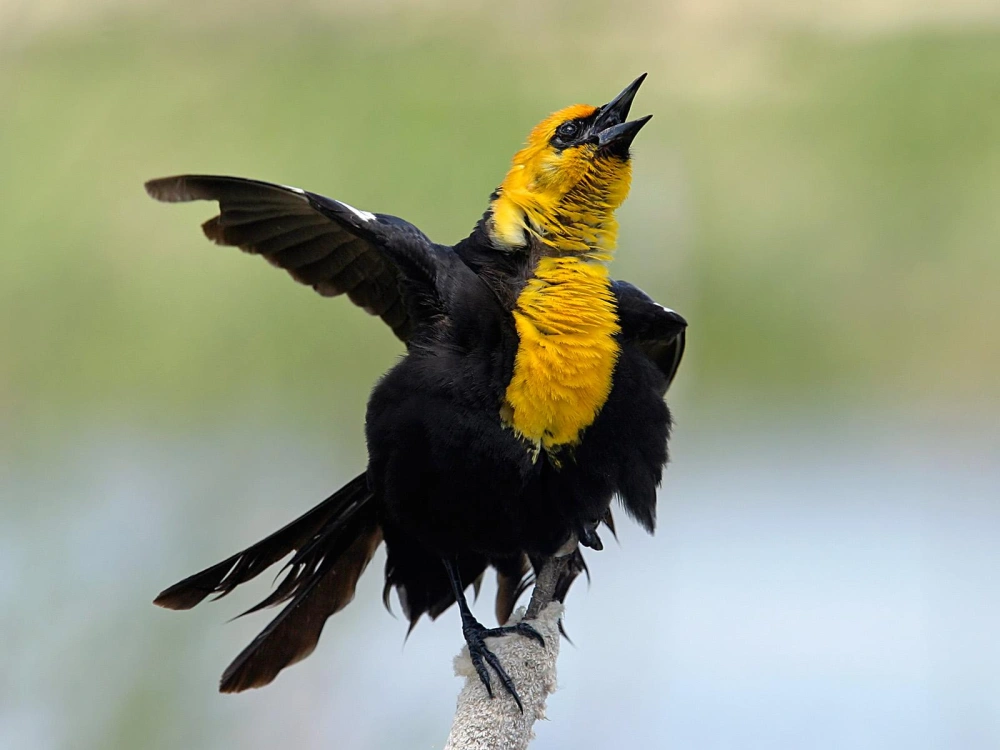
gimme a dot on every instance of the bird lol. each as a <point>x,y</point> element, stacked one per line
<point>530,395</point>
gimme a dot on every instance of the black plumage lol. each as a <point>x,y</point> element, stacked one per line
<point>450,488</point>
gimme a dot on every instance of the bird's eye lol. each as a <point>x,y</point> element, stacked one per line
<point>568,129</point>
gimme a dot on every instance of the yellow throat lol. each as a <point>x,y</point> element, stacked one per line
<point>566,316</point>
<point>566,321</point>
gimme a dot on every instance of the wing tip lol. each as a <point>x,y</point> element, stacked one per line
<point>169,189</point>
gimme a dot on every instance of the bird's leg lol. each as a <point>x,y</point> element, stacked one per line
<point>545,585</point>
<point>475,634</point>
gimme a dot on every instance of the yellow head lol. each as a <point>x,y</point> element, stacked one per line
<point>563,187</point>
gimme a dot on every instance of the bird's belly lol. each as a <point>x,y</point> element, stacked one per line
<point>448,471</point>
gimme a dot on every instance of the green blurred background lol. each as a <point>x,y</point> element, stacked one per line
<point>818,194</point>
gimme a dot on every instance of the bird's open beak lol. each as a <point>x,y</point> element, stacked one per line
<point>611,131</point>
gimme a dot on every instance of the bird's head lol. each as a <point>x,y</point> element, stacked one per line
<point>563,187</point>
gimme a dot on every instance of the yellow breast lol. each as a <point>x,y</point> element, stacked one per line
<point>566,319</point>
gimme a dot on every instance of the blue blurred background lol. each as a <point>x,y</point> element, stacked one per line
<point>817,193</point>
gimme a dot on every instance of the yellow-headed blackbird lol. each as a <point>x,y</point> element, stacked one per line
<point>531,392</point>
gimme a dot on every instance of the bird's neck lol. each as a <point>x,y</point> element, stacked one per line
<point>567,322</point>
<point>576,222</point>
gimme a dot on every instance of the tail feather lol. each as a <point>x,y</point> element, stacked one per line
<point>333,544</point>
<point>294,633</point>
<point>575,565</point>
<point>609,521</point>
<point>514,576</point>
<point>517,575</point>
<point>225,576</point>
<point>328,544</point>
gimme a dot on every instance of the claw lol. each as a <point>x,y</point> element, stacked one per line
<point>587,536</point>
<point>475,635</point>
<point>505,679</point>
<point>522,628</point>
<point>484,675</point>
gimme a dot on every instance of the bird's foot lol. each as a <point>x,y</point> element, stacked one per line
<point>587,536</point>
<point>475,635</point>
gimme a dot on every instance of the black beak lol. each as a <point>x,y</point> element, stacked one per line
<point>610,130</point>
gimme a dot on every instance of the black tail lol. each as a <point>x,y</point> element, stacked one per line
<point>333,544</point>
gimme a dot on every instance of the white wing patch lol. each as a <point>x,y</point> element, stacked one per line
<point>363,215</point>
<point>665,309</point>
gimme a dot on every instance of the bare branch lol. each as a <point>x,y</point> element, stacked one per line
<point>482,723</point>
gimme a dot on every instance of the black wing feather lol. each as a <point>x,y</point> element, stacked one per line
<point>321,242</point>
<point>658,331</point>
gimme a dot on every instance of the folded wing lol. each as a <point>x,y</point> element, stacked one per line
<point>657,330</point>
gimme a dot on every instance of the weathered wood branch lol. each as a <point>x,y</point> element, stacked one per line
<point>482,723</point>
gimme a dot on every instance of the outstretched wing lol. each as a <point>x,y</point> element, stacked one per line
<point>657,330</point>
<point>331,246</point>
